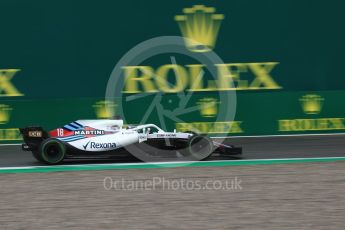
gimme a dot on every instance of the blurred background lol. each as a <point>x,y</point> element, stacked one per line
<point>285,59</point>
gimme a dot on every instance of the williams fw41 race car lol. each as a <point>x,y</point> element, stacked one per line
<point>108,139</point>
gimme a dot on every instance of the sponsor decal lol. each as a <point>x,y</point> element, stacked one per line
<point>85,146</point>
<point>105,109</point>
<point>7,134</point>
<point>7,88</point>
<point>94,132</point>
<point>211,127</point>
<point>10,134</point>
<point>208,106</point>
<point>317,124</point>
<point>200,27</point>
<point>95,145</point>
<point>5,113</point>
<point>75,131</point>
<point>35,134</point>
<point>312,105</point>
<point>166,135</point>
<point>246,76</point>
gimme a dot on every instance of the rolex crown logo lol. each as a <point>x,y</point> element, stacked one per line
<point>104,109</point>
<point>199,26</point>
<point>208,107</point>
<point>312,103</point>
<point>5,113</point>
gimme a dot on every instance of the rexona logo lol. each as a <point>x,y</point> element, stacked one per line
<point>7,88</point>
<point>312,105</point>
<point>95,145</point>
<point>200,26</point>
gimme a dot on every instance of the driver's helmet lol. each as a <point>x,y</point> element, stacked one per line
<point>115,128</point>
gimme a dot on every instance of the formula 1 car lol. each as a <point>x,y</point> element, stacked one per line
<point>109,138</point>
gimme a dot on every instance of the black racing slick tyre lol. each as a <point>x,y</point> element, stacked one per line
<point>200,147</point>
<point>36,154</point>
<point>52,151</point>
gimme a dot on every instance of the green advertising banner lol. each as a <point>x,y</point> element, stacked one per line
<point>227,68</point>
<point>269,114</point>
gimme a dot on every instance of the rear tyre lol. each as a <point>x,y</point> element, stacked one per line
<point>37,156</point>
<point>52,151</point>
<point>200,147</point>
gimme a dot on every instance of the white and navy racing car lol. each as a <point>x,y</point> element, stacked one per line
<point>109,138</point>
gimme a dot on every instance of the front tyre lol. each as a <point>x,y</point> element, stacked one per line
<point>200,147</point>
<point>52,151</point>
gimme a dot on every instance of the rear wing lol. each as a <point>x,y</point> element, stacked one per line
<point>33,136</point>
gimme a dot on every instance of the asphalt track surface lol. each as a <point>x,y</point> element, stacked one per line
<point>280,196</point>
<point>253,148</point>
<point>275,196</point>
